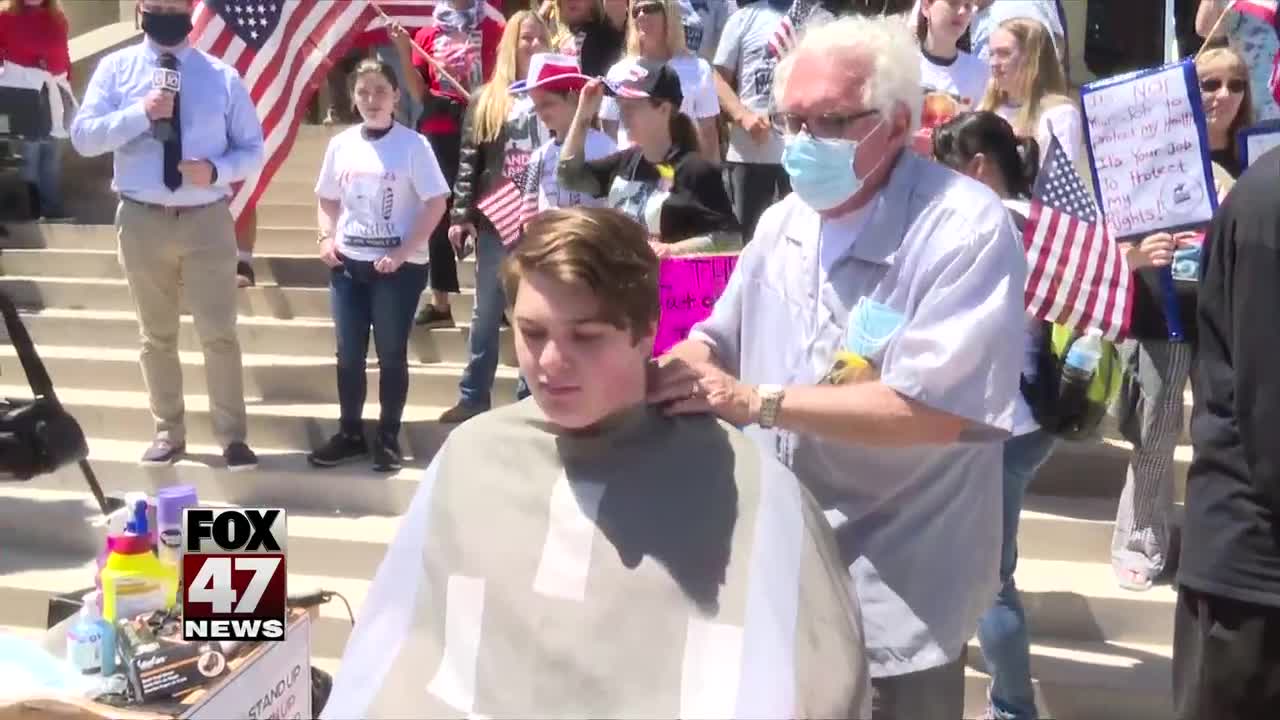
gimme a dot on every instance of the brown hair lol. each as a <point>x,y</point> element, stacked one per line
<point>493,101</point>
<point>600,248</point>
<point>1041,80</point>
<point>1244,115</point>
<point>374,66</point>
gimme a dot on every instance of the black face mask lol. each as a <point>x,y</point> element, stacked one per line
<point>166,29</point>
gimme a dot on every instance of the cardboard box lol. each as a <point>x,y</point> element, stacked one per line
<point>270,682</point>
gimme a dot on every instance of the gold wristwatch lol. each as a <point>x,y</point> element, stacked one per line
<point>770,403</point>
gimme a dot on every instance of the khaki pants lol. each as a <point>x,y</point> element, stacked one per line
<point>162,250</point>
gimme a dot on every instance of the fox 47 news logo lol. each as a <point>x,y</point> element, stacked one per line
<point>233,573</point>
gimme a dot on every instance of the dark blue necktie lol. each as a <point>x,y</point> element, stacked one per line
<point>173,146</point>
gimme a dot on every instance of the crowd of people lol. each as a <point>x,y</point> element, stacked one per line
<point>873,177</point>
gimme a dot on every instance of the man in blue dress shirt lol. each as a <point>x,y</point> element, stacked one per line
<point>176,155</point>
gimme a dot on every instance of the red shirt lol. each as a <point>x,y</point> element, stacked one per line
<point>458,55</point>
<point>35,38</point>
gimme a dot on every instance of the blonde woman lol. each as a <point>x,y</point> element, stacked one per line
<point>1256,42</point>
<point>1140,543</point>
<point>656,34</point>
<point>1029,89</point>
<point>591,30</point>
<point>499,133</point>
<point>1227,97</point>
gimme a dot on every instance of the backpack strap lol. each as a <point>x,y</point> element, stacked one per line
<point>37,376</point>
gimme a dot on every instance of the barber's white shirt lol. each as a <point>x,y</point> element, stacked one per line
<point>920,526</point>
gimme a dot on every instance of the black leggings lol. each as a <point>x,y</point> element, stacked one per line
<point>443,273</point>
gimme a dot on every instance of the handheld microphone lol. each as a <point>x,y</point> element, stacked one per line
<point>166,78</point>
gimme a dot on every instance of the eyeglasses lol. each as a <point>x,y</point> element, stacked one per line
<point>1235,86</point>
<point>647,9</point>
<point>825,125</point>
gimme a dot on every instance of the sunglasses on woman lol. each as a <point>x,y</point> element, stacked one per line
<point>1235,86</point>
<point>647,9</point>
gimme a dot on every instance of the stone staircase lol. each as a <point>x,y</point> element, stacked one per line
<point>1098,651</point>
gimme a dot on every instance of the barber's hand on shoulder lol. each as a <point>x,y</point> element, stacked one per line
<point>158,104</point>
<point>690,388</point>
<point>329,251</point>
<point>660,248</point>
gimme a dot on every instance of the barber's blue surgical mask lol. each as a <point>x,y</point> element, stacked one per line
<point>821,170</point>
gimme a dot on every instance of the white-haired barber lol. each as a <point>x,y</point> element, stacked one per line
<point>869,332</point>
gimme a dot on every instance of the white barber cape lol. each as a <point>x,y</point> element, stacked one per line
<point>663,567</point>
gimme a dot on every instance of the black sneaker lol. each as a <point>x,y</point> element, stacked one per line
<point>239,457</point>
<point>460,413</point>
<point>386,454</point>
<point>162,452</point>
<point>341,448</point>
<point>244,275</point>
<point>433,317</point>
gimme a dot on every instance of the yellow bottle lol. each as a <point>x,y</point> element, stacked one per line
<point>134,581</point>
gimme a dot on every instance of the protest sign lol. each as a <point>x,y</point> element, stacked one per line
<point>1254,142</point>
<point>1149,150</point>
<point>688,287</point>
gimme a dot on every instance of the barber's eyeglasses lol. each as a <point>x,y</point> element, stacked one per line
<point>647,9</point>
<point>825,126</point>
<point>1235,86</point>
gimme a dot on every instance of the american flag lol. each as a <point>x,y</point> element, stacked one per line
<point>788,32</point>
<point>1076,275</point>
<point>283,49</point>
<point>511,204</point>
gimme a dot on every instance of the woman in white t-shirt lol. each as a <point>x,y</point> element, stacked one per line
<point>945,69</point>
<point>656,34</point>
<point>983,146</point>
<point>381,194</point>
<point>1029,89</point>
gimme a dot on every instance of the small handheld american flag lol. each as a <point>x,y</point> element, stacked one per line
<point>788,33</point>
<point>1076,275</point>
<point>510,204</point>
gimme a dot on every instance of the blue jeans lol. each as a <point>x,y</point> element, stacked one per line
<point>1002,632</point>
<point>409,109</point>
<point>362,298</point>
<point>43,168</point>
<point>486,322</point>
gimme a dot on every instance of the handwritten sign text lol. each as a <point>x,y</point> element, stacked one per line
<point>688,288</point>
<point>1148,152</point>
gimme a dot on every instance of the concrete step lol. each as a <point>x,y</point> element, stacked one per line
<point>297,270</point>
<point>1070,528</point>
<point>1087,681</point>
<point>68,521</point>
<point>118,415</point>
<point>1097,469</point>
<point>292,188</point>
<point>1081,602</point>
<point>270,300</point>
<point>259,335</point>
<point>283,478</point>
<point>286,214</point>
<point>269,378</point>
